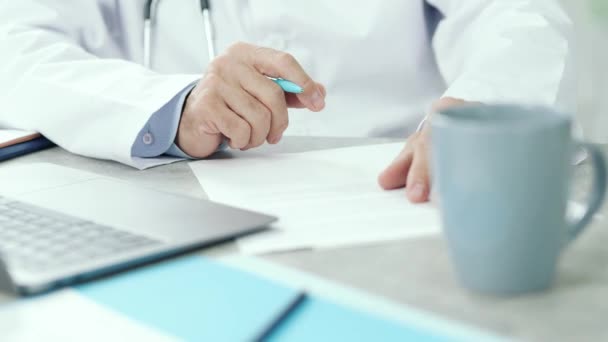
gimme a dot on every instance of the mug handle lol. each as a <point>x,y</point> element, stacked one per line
<point>598,189</point>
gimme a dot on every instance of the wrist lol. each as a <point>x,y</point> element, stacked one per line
<point>439,105</point>
<point>446,102</point>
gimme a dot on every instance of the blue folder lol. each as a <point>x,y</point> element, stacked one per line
<point>196,299</point>
<point>23,148</point>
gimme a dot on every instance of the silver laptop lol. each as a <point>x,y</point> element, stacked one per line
<point>60,226</point>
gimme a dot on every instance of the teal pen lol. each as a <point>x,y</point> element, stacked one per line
<point>287,86</point>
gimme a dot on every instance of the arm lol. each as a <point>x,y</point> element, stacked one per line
<point>51,82</point>
<point>505,51</point>
<point>491,51</point>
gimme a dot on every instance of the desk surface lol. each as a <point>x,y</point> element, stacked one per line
<point>417,272</point>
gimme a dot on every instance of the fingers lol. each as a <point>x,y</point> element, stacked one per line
<point>232,126</point>
<point>235,99</point>
<point>281,64</point>
<point>418,182</point>
<point>323,90</point>
<point>294,102</point>
<point>252,111</point>
<point>395,175</point>
<point>410,169</point>
<point>208,109</point>
<point>196,139</point>
<point>272,97</point>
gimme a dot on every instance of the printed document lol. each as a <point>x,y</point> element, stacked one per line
<point>323,198</point>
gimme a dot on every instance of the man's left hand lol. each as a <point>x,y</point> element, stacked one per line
<point>411,167</point>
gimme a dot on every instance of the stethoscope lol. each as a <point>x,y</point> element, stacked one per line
<point>150,15</point>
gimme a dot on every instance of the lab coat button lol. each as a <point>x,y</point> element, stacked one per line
<point>148,139</point>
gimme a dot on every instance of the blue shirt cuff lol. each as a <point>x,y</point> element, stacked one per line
<point>158,135</point>
<point>175,151</point>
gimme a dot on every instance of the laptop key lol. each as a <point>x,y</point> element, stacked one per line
<point>39,239</point>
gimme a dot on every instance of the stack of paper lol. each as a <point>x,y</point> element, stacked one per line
<point>323,198</point>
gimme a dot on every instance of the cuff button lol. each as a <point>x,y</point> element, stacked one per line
<point>148,139</point>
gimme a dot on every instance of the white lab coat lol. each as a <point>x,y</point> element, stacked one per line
<point>71,69</point>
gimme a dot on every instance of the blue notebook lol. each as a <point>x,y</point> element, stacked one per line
<point>26,147</point>
<point>195,299</point>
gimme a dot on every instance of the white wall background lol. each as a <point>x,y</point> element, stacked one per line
<point>591,22</point>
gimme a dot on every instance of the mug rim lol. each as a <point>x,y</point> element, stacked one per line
<point>539,116</point>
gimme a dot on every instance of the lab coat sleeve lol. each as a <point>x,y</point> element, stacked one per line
<point>50,82</point>
<point>496,51</point>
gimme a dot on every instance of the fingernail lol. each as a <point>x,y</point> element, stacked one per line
<point>276,139</point>
<point>317,99</point>
<point>417,191</point>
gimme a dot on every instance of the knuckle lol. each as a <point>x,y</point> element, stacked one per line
<point>283,126</point>
<point>217,117</point>
<point>419,169</point>
<point>260,111</point>
<point>258,140</point>
<point>207,102</point>
<point>260,50</point>
<point>244,134</point>
<point>265,113</point>
<point>276,92</point>
<point>308,83</point>
<point>282,122</point>
<point>202,127</point>
<point>422,144</point>
<point>211,80</point>
<point>237,47</point>
<point>233,129</point>
<point>416,175</point>
<point>213,120</point>
<point>220,62</point>
<point>286,60</point>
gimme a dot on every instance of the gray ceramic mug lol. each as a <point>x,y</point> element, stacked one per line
<point>503,176</point>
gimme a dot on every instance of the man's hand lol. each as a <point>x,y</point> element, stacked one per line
<point>411,167</point>
<point>236,101</point>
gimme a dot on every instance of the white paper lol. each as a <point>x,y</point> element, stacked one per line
<point>67,316</point>
<point>146,163</point>
<point>323,199</point>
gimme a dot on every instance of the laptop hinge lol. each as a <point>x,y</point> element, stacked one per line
<point>6,281</point>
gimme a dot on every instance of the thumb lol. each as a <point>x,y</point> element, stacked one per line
<point>281,64</point>
<point>312,96</point>
<point>293,101</point>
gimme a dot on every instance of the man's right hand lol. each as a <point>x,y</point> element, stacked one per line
<point>234,100</point>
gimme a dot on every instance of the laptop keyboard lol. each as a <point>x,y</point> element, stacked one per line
<point>37,239</point>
